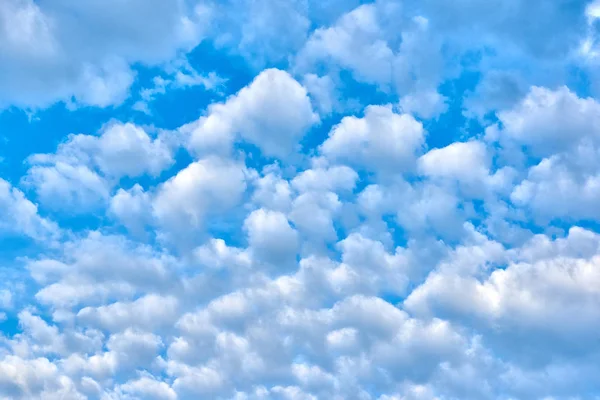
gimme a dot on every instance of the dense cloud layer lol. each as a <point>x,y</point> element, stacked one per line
<point>361,219</point>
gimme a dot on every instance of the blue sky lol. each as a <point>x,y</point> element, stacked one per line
<point>262,199</point>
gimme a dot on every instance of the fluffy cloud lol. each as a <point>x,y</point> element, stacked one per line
<point>204,187</point>
<point>148,388</point>
<point>430,234</point>
<point>562,186</point>
<point>38,378</point>
<point>80,175</point>
<point>132,208</point>
<point>497,90</point>
<point>58,51</point>
<point>148,313</point>
<point>273,112</point>
<point>127,150</point>
<point>383,46</point>
<point>20,216</point>
<point>425,104</point>
<point>271,237</point>
<point>336,178</point>
<point>263,31</point>
<point>272,191</point>
<point>98,267</point>
<point>61,185</point>
<point>355,42</point>
<point>381,140</point>
<point>469,165</point>
<point>562,129</point>
<point>541,300</point>
<point>462,161</point>
<point>538,121</point>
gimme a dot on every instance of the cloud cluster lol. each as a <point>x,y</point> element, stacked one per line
<point>58,50</point>
<point>419,243</point>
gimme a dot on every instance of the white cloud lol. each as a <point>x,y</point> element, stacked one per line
<point>380,141</point>
<point>561,129</point>
<point>428,208</point>
<point>216,254</point>
<point>95,268</point>
<point>549,121</point>
<point>56,51</point>
<point>205,187</point>
<point>80,175</point>
<point>364,268</point>
<point>376,271</point>
<point>266,32</point>
<point>63,186</point>
<point>336,178</point>
<point>425,104</point>
<point>271,237</point>
<point>272,191</point>
<point>323,92</point>
<point>419,68</point>
<point>273,112</point>
<point>132,208</point>
<point>262,31</point>
<point>497,25</point>
<point>313,212</point>
<point>20,216</point>
<point>37,378</point>
<point>127,150</point>
<point>541,300</point>
<point>565,187</point>
<point>178,75</point>
<point>6,300</point>
<point>356,42</point>
<point>149,388</point>
<point>497,90</point>
<point>467,162</point>
<point>134,347</point>
<point>148,313</point>
<point>381,43</point>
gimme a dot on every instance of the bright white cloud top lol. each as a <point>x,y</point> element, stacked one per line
<point>299,200</point>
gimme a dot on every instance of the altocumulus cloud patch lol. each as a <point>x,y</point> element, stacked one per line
<point>256,199</point>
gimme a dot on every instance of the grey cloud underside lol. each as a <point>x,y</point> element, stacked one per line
<point>370,266</point>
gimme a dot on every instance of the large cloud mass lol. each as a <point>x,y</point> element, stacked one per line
<point>331,199</point>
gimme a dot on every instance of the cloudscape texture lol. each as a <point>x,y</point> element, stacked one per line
<point>299,199</point>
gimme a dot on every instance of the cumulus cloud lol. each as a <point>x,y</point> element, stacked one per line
<point>546,287</point>
<point>98,267</point>
<point>80,175</point>
<point>131,208</point>
<point>208,186</point>
<point>56,52</point>
<point>20,216</point>
<point>271,237</point>
<point>538,120</point>
<point>462,161</point>
<point>355,42</point>
<point>562,130</point>
<point>127,150</point>
<point>273,112</point>
<point>60,185</point>
<point>38,377</point>
<point>388,201</point>
<point>425,104</point>
<point>381,140</point>
<point>563,187</point>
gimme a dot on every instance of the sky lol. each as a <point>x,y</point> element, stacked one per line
<point>299,199</point>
